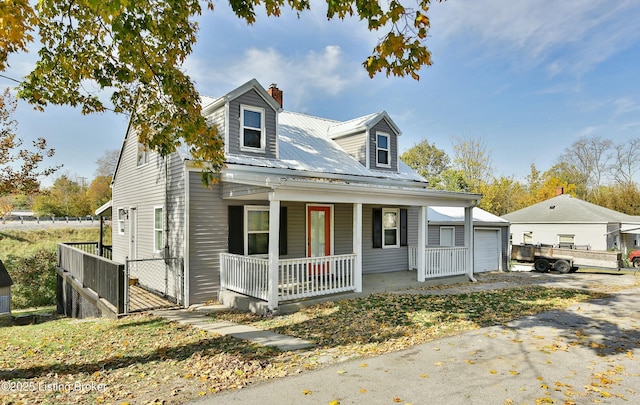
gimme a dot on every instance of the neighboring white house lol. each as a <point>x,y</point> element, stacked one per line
<point>570,222</point>
<point>303,207</point>
<point>490,235</point>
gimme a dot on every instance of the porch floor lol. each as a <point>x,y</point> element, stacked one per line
<point>143,300</point>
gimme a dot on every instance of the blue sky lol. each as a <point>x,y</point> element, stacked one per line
<point>527,77</point>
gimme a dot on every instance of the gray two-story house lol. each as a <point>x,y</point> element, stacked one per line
<point>305,206</point>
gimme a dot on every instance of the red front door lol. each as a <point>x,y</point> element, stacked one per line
<point>319,234</point>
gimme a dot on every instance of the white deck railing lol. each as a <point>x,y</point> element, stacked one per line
<point>313,276</point>
<point>245,275</point>
<point>441,261</point>
<point>297,278</point>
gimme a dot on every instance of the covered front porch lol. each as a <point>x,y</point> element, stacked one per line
<point>358,210</point>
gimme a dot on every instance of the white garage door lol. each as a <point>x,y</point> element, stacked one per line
<point>486,255</point>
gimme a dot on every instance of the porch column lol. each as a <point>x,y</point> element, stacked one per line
<point>468,239</point>
<point>274,252</point>
<point>422,243</point>
<point>357,244</point>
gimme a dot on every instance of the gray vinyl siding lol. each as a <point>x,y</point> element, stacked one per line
<point>217,118</point>
<point>142,188</point>
<point>506,254</point>
<point>355,145</point>
<point>207,239</point>
<point>433,232</point>
<point>253,99</point>
<point>379,260</point>
<point>176,207</point>
<point>383,126</point>
<point>297,229</point>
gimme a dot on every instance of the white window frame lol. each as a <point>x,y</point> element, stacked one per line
<point>566,235</point>
<point>122,216</point>
<point>397,228</point>
<point>453,235</point>
<point>387,149</point>
<point>247,209</point>
<point>157,230</point>
<point>262,129</point>
<point>142,157</point>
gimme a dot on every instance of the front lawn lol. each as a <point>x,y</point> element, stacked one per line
<point>144,359</point>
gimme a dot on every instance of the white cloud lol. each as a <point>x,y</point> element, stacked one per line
<point>625,105</point>
<point>570,35</point>
<point>327,72</point>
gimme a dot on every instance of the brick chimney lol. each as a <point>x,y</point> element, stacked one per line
<point>276,93</point>
<point>559,190</point>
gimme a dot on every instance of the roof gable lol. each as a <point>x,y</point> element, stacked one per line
<point>566,209</point>
<point>253,84</point>
<point>361,124</point>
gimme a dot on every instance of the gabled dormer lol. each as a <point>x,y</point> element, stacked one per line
<point>372,140</point>
<point>247,119</point>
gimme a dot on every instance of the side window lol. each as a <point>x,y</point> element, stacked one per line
<point>157,229</point>
<point>527,238</point>
<point>566,241</point>
<point>383,146</point>
<point>122,215</point>
<point>252,131</point>
<point>257,230</point>
<point>143,155</point>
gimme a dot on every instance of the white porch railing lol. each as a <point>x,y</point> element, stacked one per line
<point>441,261</point>
<point>297,278</point>
<point>313,276</point>
<point>245,275</point>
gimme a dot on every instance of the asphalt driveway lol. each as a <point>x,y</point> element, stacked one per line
<point>586,354</point>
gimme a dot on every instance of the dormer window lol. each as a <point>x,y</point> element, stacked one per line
<point>382,150</point>
<point>252,128</point>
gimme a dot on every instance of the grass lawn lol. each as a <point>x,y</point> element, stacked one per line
<point>22,243</point>
<point>143,359</point>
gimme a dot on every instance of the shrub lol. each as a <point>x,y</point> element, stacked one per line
<point>34,279</point>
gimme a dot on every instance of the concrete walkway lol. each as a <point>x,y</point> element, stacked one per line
<point>255,335</point>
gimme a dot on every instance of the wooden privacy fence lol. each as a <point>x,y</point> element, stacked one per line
<point>105,277</point>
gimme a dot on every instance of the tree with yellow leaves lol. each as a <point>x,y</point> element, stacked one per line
<point>136,49</point>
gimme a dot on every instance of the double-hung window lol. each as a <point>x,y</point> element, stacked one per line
<point>143,154</point>
<point>390,228</point>
<point>157,229</point>
<point>252,131</point>
<point>382,150</point>
<point>121,218</point>
<point>257,230</point>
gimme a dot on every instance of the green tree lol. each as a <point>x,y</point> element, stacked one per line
<point>428,161</point>
<point>137,48</point>
<point>472,160</point>
<point>34,279</point>
<point>64,198</point>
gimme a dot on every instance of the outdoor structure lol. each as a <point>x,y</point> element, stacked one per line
<point>305,206</point>
<point>490,235</point>
<point>566,221</point>
<point>5,290</point>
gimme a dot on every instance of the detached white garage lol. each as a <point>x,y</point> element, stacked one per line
<point>491,235</point>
